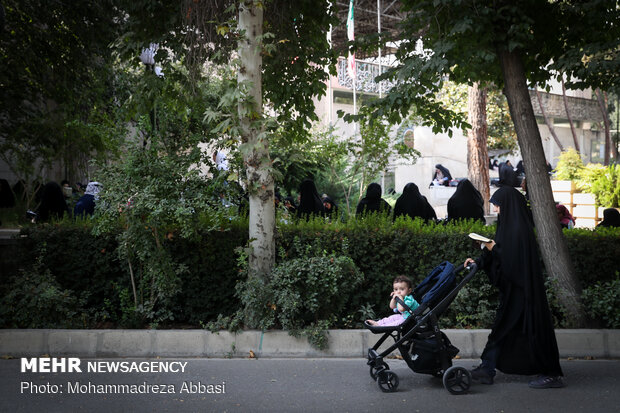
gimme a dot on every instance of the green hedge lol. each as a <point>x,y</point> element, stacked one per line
<point>88,266</point>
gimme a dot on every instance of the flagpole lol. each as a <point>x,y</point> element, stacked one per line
<point>351,64</point>
<point>329,76</point>
<point>379,31</point>
<point>380,71</point>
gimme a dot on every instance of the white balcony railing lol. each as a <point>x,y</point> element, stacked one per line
<point>365,77</point>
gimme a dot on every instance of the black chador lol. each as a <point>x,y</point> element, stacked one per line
<point>413,204</point>
<point>522,340</point>
<point>310,202</point>
<point>466,202</point>
<point>372,202</point>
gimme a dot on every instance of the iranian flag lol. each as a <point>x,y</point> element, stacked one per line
<point>351,36</point>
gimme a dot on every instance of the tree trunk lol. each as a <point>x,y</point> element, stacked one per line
<point>602,104</point>
<point>477,154</point>
<point>548,122</point>
<point>569,117</point>
<point>259,179</point>
<point>550,237</point>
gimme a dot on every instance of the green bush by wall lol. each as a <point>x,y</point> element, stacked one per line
<point>89,267</point>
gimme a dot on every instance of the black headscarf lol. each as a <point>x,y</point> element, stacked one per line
<point>507,175</point>
<point>445,172</point>
<point>372,202</point>
<point>611,218</point>
<point>520,169</point>
<point>413,204</point>
<point>309,200</point>
<point>523,327</point>
<point>334,207</point>
<point>52,204</point>
<point>466,202</point>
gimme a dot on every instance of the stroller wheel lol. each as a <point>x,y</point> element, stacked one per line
<point>374,370</point>
<point>387,381</point>
<point>438,374</point>
<point>457,380</point>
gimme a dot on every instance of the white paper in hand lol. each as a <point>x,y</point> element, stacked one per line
<point>478,237</point>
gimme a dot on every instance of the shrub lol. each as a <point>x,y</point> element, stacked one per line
<point>603,182</point>
<point>594,253</point>
<point>35,299</point>
<point>569,165</point>
<point>303,295</point>
<point>78,261</point>
<point>603,301</point>
<point>209,293</point>
<point>157,196</point>
<point>382,250</point>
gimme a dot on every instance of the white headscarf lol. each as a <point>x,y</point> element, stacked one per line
<point>93,189</point>
<point>220,161</point>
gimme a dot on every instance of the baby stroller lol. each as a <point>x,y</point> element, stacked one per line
<point>422,345</point>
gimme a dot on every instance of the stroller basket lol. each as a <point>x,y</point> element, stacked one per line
<point>422,345</point>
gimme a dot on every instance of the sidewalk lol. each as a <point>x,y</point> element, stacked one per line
<point>271,344</point>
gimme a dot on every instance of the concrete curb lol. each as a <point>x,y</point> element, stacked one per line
<point>201,343</point>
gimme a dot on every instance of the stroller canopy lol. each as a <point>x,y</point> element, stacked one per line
<point>440,281</point>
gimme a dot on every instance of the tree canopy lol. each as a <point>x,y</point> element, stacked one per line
<point>56,80</point>
<point>461,40</point>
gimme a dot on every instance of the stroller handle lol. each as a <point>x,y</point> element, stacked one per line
<point>473,267</point>
<point>402,303</point>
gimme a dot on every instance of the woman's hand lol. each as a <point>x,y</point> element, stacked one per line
<point>489,245</point>
<point>468,261</point>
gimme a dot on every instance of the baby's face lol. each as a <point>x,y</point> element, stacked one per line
<point>402,289</point>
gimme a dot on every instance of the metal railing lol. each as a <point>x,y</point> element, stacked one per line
<point>365,77</point>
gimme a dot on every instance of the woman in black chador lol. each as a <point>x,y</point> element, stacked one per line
<point>52,204</point>
<point>309,200</point>
<point>372,202</point>
<point>466,203</point>
<point>611,218</point>
<point>413,204</point>
<point>522,340</point>
<point>441,176</point>
<point>507,175</point>
<point>331,208</point>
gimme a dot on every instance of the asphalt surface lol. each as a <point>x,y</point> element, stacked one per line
<point>300,385</point>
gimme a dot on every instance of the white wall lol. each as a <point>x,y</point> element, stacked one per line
<point>434,149</point>
<point>585,138</point>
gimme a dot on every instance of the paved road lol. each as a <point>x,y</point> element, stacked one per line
<point>303,385</point>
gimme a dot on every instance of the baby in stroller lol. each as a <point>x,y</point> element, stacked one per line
<point>422,345</point>
<point>402,288</point>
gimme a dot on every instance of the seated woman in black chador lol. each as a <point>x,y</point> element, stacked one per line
<point>611,218</point>
<point>413,204</point>
<point>372,202</point>
<point>466,203</point>
<point>520,169</point>
<point>52,204</point>
<point>331,208</point>
<point>507,175</point>
<point>442,176</point>
<point>522,340</point>
<point>310,202</point>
